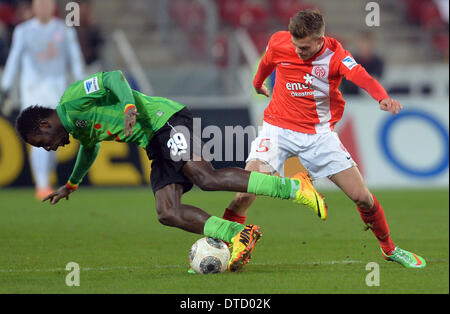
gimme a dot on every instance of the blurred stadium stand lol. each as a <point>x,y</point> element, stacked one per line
<point>190,47</point>
<point>198,51</point>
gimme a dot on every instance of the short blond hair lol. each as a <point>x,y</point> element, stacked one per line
<point>306,23</point>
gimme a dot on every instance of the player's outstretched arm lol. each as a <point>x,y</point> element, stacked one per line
<point>358,75</point>
<point>116,82</point>
<point>85,158</point>
<point>391,105</point>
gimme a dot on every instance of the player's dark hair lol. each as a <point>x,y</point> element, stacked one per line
<point>306,23</point>
<point>29,120</point>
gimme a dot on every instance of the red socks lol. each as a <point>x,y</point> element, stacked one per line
<point>375,219</point>
<point>232,216</point>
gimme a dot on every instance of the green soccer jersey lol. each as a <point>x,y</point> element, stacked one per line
<point>92,110</point>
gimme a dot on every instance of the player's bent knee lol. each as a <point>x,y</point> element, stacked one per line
<point>202,174</point>
<point>168,201</point>
<point>167,212</point>
<point>198,179</point>
<point>167,216</point>
<point>203,184</point>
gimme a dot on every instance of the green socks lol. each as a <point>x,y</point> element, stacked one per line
<point>263,184</point>
<point>259,184</point>
<point>222,229</point>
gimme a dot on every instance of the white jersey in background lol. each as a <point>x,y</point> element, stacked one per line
<point>44,54</point>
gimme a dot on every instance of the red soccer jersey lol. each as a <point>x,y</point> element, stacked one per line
<point>306,97</point>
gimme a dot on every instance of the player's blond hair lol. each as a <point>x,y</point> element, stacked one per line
<point>306,23</point>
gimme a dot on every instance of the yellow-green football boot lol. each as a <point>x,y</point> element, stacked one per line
<point>307,195</point>
<point>242,246</point>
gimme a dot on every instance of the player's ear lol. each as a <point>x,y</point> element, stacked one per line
<point>44,124</point>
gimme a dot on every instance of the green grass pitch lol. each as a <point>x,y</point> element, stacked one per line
<point>115,237</point>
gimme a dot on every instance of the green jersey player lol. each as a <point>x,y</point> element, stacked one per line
<point>103,107</point>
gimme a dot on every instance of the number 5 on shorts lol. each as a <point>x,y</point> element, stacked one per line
<point>263,145</point>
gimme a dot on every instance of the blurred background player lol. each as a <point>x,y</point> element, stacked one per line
<point>369,60</point>
<point>90,38</point>
<point>305,107</point>
<point>43,49</point>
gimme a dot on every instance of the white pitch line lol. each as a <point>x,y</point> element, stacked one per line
<point>102,268</point>
<point>318,263</point>
<point>50,270</point>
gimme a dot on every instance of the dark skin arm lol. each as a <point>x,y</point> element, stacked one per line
<point>130,121</point>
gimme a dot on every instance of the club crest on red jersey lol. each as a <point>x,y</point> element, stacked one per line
<point>320,71</point>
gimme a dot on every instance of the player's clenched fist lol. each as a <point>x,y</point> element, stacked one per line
<point>263,90</point>
<point>391,105</point>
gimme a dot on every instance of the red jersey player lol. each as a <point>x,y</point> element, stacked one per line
<point>300,118</point>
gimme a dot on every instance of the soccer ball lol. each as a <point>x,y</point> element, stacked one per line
<point>209,256</point>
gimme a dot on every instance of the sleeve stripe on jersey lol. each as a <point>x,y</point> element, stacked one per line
<point>71,185</point>
<point>128,107</point>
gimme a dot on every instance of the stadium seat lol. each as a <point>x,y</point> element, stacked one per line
<point>430,16</point>
<point>229,11</point>
<point>239,13</point>
<point>254,15</point>
<point>441,42</point>
<point>260,38</point>
<point>284,9</point>
<point>7,14</point>
<point>427,15</point>
<point>413,9</point>
<point>220,50</point>
<point>188,14</point>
